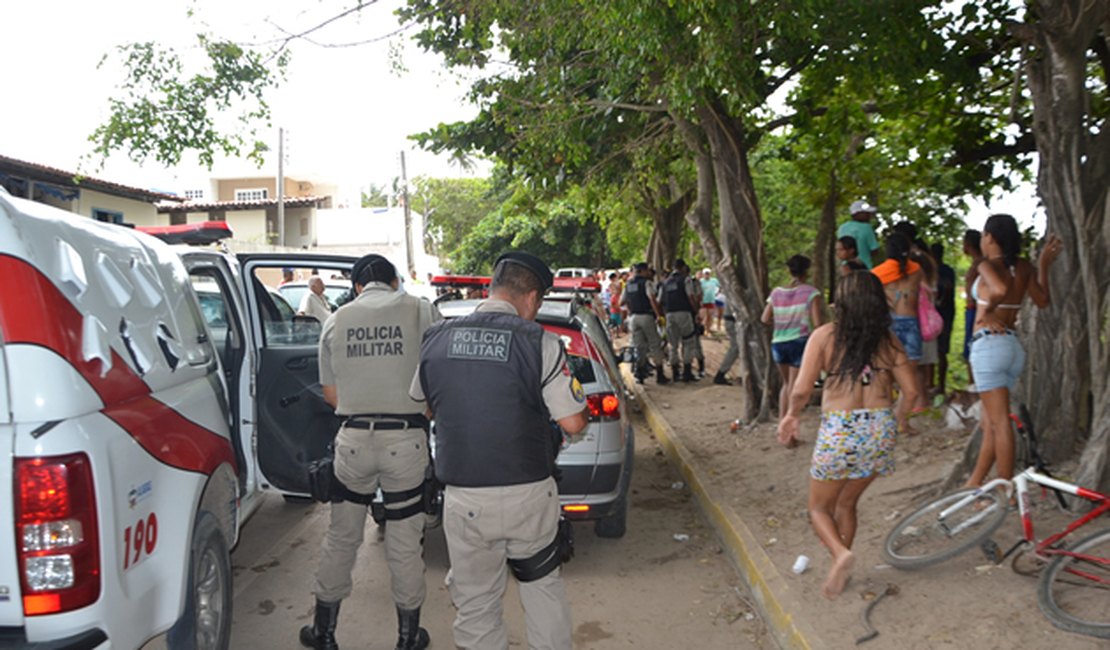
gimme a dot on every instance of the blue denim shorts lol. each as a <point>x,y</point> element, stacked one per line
<point>996,359</point>
<point>969,325</point>
<point>789,353</point>
<point>908,331</point>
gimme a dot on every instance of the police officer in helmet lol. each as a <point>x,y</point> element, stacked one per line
<point>639,297</point>
<point>369,348</point>
<point>494,381</point>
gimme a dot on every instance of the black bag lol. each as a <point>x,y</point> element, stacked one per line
<point>321,477</point>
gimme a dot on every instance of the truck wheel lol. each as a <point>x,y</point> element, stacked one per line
<point>206,622</point>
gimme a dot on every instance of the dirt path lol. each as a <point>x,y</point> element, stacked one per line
<point>964,603</point>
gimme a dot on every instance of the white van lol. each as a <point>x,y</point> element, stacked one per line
<point>139,427</point>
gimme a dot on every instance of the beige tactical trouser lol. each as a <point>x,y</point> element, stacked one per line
<point>485,527</point>
<point>645,338</point>
<point>680,331</point>
<point>364,459</point>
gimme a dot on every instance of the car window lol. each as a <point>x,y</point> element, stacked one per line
<point>280,326</point>
<point>579,356</point>
<point>213,300</point>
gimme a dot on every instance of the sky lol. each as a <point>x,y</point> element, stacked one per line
<point>345,110</point>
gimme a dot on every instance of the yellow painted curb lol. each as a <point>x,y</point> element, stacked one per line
<point>759,572</point>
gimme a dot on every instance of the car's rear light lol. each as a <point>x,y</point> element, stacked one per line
<point>56,530</point>
<point>603,406</point>
<point>576,508</point>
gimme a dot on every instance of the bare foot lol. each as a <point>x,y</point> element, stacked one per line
<point>907,429</point>
<point>839,574</point>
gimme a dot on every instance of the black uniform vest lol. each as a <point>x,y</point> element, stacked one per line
<point>481,377</point>
<point>636,293</point>
<point>674,294</point>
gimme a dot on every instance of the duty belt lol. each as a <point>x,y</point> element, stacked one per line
<point>386,422</point>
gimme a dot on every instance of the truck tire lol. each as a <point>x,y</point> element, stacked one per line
<point>206,622</point>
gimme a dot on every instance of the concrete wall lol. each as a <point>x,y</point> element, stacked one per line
<point>135,212</point>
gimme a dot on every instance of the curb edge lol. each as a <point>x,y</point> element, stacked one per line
<point>759,572</point>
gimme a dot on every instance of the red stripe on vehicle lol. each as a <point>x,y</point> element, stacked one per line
<point>170,437</point>
<point>33,311</point>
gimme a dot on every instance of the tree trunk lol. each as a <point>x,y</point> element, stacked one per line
<point>1066,383</point>
<point>824,250</point>
<point>735,251</point>
<point>668,221</point>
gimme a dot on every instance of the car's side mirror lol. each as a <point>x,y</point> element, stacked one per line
<point>628,354</point>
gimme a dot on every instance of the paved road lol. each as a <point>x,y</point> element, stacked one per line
<point>646,590</point>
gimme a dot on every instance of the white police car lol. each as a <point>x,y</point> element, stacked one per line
<point>138,429</point>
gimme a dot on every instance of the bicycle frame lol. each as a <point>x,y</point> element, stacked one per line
<point>1045,547</point>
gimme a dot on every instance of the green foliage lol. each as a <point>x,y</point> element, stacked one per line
<point>165,110</point>
<point>452,208</point>
<point>376,197</point>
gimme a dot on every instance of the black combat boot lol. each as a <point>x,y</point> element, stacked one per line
<point>660,376</point>
<point>410,636</point>
<point>701,367</point>
<point>641,372</point>
<point>321,634</point>
<point>676,372</point>
<point>721,379</point>
<point>688,373</point>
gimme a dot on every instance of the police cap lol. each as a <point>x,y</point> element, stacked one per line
<point>373,268</point>
<point>530,262</point>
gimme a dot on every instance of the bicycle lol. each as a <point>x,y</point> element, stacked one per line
<point>1074,587</point>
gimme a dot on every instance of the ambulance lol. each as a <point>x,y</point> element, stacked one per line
<point>149,395</point>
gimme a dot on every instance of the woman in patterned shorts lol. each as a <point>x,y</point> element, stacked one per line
<point>855,441</point>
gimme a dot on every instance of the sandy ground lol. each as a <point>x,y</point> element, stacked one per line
<point>964,603</point>
<point>646,590</point>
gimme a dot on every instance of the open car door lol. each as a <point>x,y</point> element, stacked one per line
<point>294,423</point>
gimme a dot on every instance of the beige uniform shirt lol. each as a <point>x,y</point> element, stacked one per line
<point>561,393</point>
<point>369,345</point>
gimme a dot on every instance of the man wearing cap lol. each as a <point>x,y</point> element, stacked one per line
<point>639,297</point>
<point>494,381</point>
<point>680,296</point>
<point>369,349</point>
<point>860,229</point>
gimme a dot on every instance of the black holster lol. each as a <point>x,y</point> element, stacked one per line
<point>550,557</point>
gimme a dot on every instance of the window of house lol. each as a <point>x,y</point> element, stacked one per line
<point>252,194</point>
<point>107,216</point>
<point>194,195</point>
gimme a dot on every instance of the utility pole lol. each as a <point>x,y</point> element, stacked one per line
<point>408,216</point>
<point>281,187</point>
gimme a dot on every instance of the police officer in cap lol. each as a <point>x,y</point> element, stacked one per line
<point>494,381</point>
<point>639,297</point>
<point>369,349</point>
<point>680,296</point>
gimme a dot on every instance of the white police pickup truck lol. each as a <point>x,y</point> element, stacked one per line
<point>148,396</point>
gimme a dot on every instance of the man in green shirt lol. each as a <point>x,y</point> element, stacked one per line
<point>861,229</point>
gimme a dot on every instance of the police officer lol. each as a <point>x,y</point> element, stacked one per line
<point>639,297</point>
<point>680,296</point>
<point>369,348</point>
<point>494,381</point>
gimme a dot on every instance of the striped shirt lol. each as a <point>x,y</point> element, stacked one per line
<point>790,306</point>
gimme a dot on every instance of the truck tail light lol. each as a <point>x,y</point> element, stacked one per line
<point>603,406</point>
<point>56,533</point>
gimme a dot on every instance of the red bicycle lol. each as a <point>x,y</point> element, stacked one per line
<point>1074,586</point>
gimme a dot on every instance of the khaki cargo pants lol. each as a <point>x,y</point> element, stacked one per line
<point>364,459</point>
<point>485,527</point>
<point>645,338</point>
<point>680,331</point>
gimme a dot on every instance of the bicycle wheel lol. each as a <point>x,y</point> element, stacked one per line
<point>923,539</point>
<point>1074,592</point>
